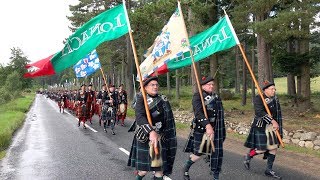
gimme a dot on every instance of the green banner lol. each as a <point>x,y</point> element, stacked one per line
<point>217,38</point>
<point>107,26</point>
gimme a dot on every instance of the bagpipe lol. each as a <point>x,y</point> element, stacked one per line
<point>61,104</point>
<point>108,111</point>
<point>122,109</point>
<point>81,109</point>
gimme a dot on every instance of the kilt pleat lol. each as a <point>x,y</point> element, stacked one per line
<point>140,159</point>
<point>193,146</point>
<point>256,139</point>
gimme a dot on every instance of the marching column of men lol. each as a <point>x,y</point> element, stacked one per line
<point>84,103</point>
<point>206,137</point>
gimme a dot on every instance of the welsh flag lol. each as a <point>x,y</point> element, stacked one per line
<point>40,68</point>
<point>107,26</point>
<point>169,44</point>
<point>219,37</point>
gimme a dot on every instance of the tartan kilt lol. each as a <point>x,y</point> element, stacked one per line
<point>139,157</point>
<point>193,146</point>
<point>193,143</point>
<point>89,110</point>
<point>257,139</point>
<point>108,115</point>
<point>97,109</point>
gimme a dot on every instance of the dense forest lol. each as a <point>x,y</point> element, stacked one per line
<point>280,38</point>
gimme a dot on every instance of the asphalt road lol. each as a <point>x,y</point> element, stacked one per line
<point>50,145</point>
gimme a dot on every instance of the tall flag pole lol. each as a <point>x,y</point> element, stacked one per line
<point>139,72</point>
<point>195,73</point>
<point>105,80</point>
<point>251,73</point>
<point>193,64</point>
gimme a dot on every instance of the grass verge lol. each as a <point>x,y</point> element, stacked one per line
<point>12,117</point>
<point>288,147</point>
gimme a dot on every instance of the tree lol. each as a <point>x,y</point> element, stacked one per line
<point>283,24</point>
<point>293,41</point>
<point>18,63</point>
<point>13,84</point>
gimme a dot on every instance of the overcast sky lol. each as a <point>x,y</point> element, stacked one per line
<point>37,27</point>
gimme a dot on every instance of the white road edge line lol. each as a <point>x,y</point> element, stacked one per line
<point>52,104</point>
<point>125,151</point>
<point>81,122</point>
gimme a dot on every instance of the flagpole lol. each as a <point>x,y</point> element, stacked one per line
<point>251,73</point>
<point>193,64</point>
<point>196,74</point>
<point>105,81</point>
<point>139,72</point>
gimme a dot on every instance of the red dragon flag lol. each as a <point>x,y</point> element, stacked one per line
<point>42,67</point>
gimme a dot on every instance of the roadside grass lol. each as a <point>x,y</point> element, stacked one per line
<point>297,149</point>
<point>287,147</point>
<point>2,154</point>
<point>12,117</point>
<point>182,126</point>
<point>130,112</point>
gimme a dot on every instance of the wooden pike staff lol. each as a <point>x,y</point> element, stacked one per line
<point>252,75</point>
<point>156,150</point>
<point>105,80</point>
<point>195,73</point>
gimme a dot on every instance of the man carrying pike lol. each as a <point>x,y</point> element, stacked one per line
<point>262,138</point>
<point>206,131</point>
<point>148,139</point>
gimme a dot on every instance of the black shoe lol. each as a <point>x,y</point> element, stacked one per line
<point>113,133</point>
<point>78,124</point>
<point>206,159</point>
<point>186,175</point>
<point>216,176</point>
<point>273,174</point>
<point>246,161</point>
